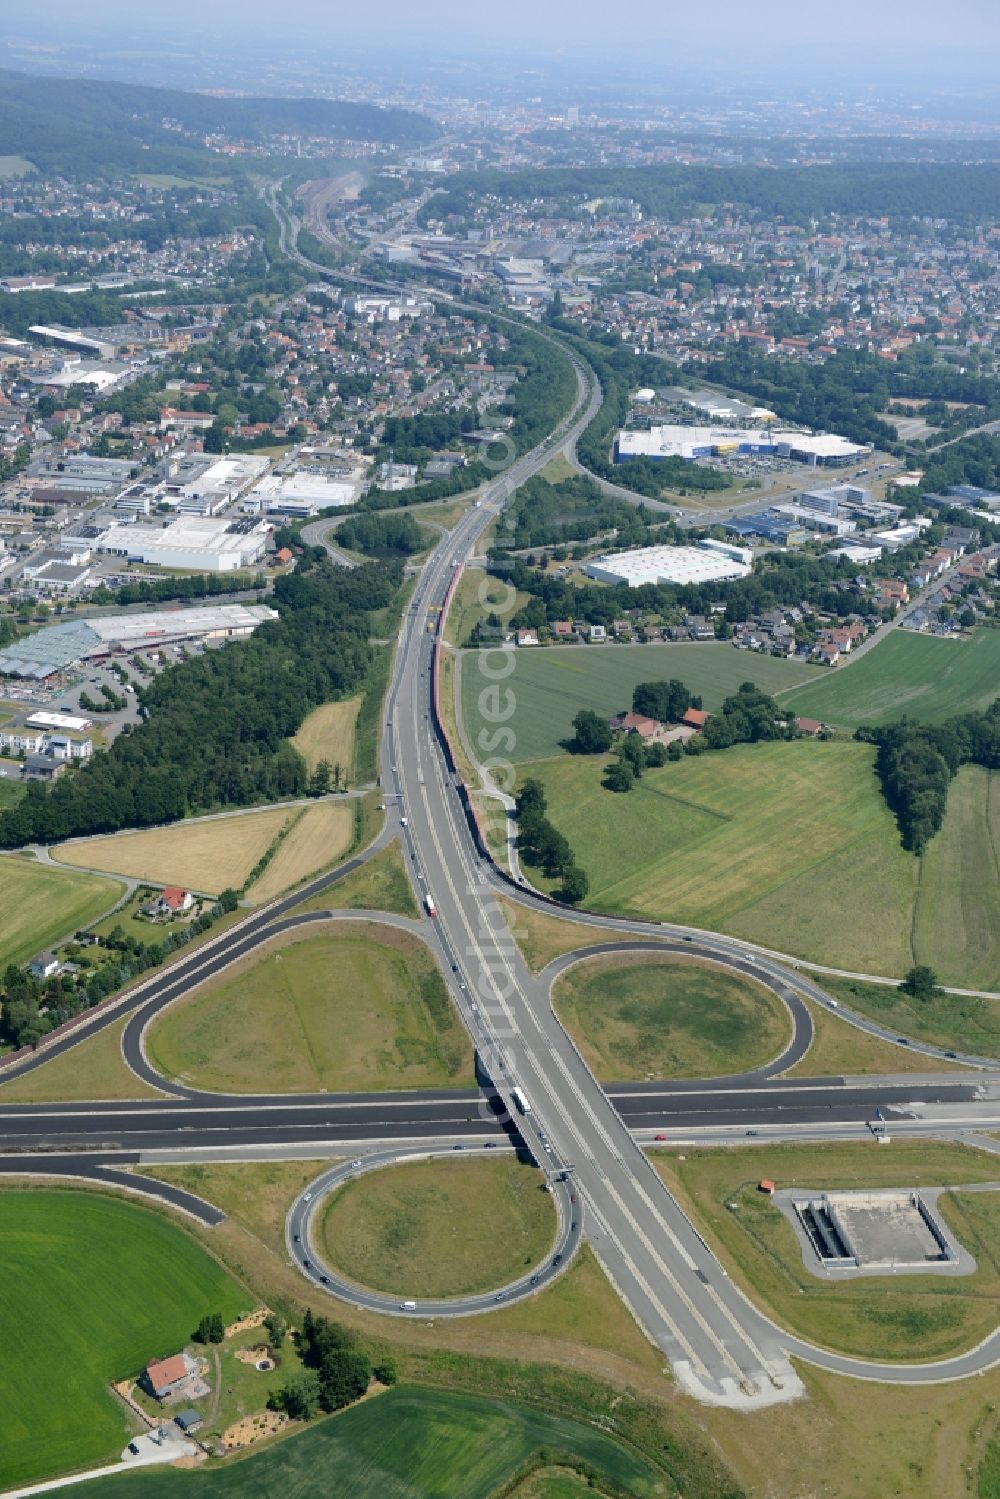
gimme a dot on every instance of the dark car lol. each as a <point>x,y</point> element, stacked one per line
<point>557,1261</point>
<point>534,1280</point>
<point>307,1264</point>
<point>951,1054</point>
<point>325,1279</point>
<point>295,1238</point>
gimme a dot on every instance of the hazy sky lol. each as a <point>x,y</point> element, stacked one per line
<point>759,24</point>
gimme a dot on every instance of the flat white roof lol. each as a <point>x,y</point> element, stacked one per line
<point>189,533</point>
<point>68,721</point>
<point>665,564</point>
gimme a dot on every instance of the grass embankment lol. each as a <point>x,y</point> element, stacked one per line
<point>329,734</point>
<point>65,1342</point>
<point>478,595</point>
<point>838,1048</point>
<point>381,884</point>
<point>361,1007</point>
<point>952,1021</point>
<point>903,1317</point>
<point>786,844</point>
<point>93,1070</point>
<point>542,938</point>
<point>319,837</point>
<point>208,855</point>
<point>40,905</point>
<point>639,1016</point>
<point>551,685</point>
<point>440,1227</point>
<point>918,676</point>
<point>409,1443</point>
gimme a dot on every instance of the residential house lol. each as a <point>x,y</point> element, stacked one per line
<point>828,652</point>
<point>174,901</point>
<point>811,727</point>
<point>695,718</point>
<point>527,637</point>
<point>165,1376</point>
<point>597,633</point>
<point>45,966</point>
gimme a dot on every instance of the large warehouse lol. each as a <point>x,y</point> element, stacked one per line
<point>823,449</point>
<point>59,647</point>
<point>196,542</point>
<point>666,565</point>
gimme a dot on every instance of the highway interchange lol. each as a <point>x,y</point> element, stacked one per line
<point>589,1140</point>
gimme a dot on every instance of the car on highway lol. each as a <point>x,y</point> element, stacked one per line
<point>295,1238</point>
<point>307,1197</point>
<point>404,822</point>
<point>661,1137</point>
<point>572,1197</point>
<point>307,1264</point>
<point>500,1296</point>
<point>534,1280</point>
<point>356,1164</point>
<point>458,1147</point>
<point>557,1261</point>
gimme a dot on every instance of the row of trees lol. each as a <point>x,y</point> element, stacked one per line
<point>197,586</point>
<point>216,728</point>
<point>915,764</point>
<point>542,845</point>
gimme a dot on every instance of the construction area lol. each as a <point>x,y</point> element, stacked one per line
<point>869,1233</point>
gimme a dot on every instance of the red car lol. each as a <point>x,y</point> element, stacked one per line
<point>661,1137</point>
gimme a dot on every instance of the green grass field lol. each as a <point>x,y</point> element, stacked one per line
<point>920,676</point>
<point>408,1444</point>
<point>954,1021</point>
<point>788,844</point>
<point>92,1289</point>
<point>380,884</point>
<point>439,1228</point>
<point>902,1317</point>
<point>956,924</point>
<point>639,1017</point>
<point>551,686</point>
<point>42,905</point>
<point>365,1009</point>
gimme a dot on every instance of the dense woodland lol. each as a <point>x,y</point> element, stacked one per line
<point>795,194</point>
<point>382,535</point>
<point>82,127</point>
<point>216,728</point>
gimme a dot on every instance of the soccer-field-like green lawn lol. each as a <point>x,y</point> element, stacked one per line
<point>91,1289</point>
<point>410,1443</point>
<point>551,685</point>
<point>41,905</point>
<point>919,676</point>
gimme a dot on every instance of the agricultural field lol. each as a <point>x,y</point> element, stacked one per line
<point>906,1317</point>
<point>328,734</point>
<point>363,1007</point>
<point>408,1443</point>
<point>923,677</point>
<point>762,841</point>
<point>639,1016</point>
<point>95,1069</point>
<point>551,685</point>
<point>956,922</point>
<point>439,1228</point>
<point>156,1282</point>
<point>41,905</point>
<point>319,837</point>
<point>207,855</point>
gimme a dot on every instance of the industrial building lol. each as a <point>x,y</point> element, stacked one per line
<point>666,564</point>
<point>823,450</point>
<point>200,485</point>
<point>194,542</point>
<point>59,647</point>
<point>301,495</point>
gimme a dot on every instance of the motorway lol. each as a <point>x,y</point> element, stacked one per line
<point>722,1349</point>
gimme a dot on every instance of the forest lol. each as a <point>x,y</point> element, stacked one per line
<point>215,728</point>
<point>796,194</point>
<point>84,127</point>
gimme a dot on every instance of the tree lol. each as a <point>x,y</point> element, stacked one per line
<point>575,885</point>
<point>921,983</point>
<point>276,1328</point>
<point>618,777</point>
<point>592,736</point>
<point>386,1370</point>
<point>320,780</point>
<point>299,1398</point>
<point>211,1329</point>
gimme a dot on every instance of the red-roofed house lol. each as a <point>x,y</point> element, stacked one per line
<point>176,900</point>
<point>166,1375</point>
<point>695,718</point>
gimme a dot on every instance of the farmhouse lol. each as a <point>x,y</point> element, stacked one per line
<point>165,1376</point>
<point>695,718</point>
